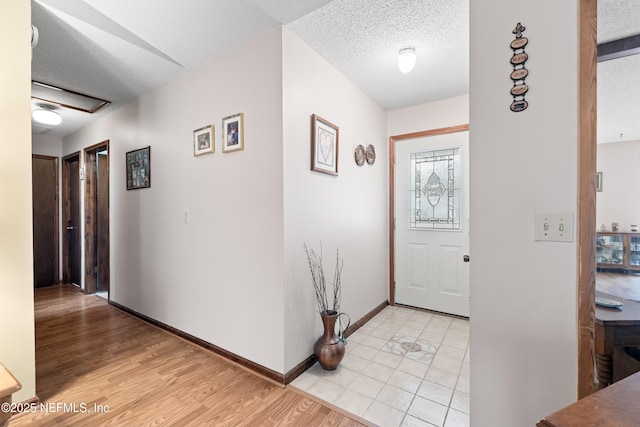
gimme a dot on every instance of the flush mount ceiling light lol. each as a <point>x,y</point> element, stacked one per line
<point>407,59</point>
<point>45,115</point>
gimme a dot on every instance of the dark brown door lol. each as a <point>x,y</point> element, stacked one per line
<point>96,204</point>
<point>45,220</point>
<point>103,221</point>
<point>71,219</point>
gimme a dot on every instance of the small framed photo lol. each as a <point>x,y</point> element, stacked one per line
<point>233,133</point>
<point>203,140</point>
<point>324,145</point>
<point>138,164</point>
<point>598,181</point>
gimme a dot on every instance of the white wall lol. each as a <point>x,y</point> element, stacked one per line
<point>523,292</point>
<point>219,278</point>
<point>432,115</point>
<point>46,145</point>
<point>17,352</point>
<point>619,163</point>
<point>348,211</point>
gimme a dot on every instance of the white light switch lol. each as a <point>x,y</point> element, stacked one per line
<point>553,226</point>
<point>186,216</point>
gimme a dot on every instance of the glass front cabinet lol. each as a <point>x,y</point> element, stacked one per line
<point>618,251</point>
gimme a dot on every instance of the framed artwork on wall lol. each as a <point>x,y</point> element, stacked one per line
<point>138,164</point>
<point>204,140</point>
<point>233,133</point>
<point>324,145</point>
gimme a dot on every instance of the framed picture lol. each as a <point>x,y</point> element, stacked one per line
<point>233,133</point>
<point>598,181</point>
<point>203,140</point>
<point>138,168</point>
<point>324,145</point>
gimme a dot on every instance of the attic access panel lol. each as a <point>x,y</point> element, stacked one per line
<point>66,98</point>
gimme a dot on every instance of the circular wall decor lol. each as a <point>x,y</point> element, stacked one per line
<point>359,155</point>
<point>371,154</point>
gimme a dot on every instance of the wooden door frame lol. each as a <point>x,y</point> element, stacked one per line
<point>66,269</point>
<point>392,196</point>
<point>90,207</point>
<point>586,229</point>
<point>56,214</point>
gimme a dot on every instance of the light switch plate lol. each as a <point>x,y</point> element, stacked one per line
<point>553,226</point>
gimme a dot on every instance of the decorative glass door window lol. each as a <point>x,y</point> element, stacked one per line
<point>435,189</point>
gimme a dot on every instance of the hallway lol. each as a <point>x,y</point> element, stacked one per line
<point>96,365</point>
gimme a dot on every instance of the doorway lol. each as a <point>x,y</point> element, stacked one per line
<point>393,250</point>
<point>71,244</point>
<point>97,273</point>
<point>431,221</point>
<point>45,220</point>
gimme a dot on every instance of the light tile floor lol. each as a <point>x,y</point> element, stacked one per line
<point>405,367</point>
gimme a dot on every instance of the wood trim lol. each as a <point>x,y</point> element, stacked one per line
<point>364,319</point>
<point>245,363</point>
<point>392,199</point>
<point>90,217</point>
<point>299,369</point>
<point>619,48</point>
<point>587,195</point>
<point>56,214</point>
<point>309,361</point>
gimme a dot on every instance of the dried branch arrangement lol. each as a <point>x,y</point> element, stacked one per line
<point>320,283</point>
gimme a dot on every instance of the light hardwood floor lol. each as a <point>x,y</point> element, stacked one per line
<point>90,355</point>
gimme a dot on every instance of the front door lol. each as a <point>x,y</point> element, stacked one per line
<point>431,222</point>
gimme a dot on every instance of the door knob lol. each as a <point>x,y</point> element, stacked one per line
<point>465,258</point>
<point>71,228</point>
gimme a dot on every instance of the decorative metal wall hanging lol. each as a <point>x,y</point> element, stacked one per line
<point>370,152</point>
<point>519,73</point>
<point>359,155</point>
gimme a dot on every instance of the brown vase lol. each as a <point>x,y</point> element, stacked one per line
<point>329,348</point>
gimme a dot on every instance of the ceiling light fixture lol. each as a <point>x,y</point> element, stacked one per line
<point>45,115</point>
<point>407,59</point>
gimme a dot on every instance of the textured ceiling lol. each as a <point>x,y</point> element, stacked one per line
<point>618,79</point>
<point>121,49</point>
<point>362,39</point>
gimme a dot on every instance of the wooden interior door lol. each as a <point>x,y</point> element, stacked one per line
<point>45,220</point>
<point>103,220</point>
<point>96,202</point>
<point>71,243</point>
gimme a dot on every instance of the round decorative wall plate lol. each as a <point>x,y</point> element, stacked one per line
<point>371,154</point>
<point>359,155</point>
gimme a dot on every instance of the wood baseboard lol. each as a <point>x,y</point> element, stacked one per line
<point>259,369</point>
<point>246,363</point>
<point>364,319</point>
<point>309,361</point>
<point>300,368</point>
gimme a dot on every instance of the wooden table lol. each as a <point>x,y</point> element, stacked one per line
<point>614,327</point>
<point>615,406</point>
<point>8,386</point>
